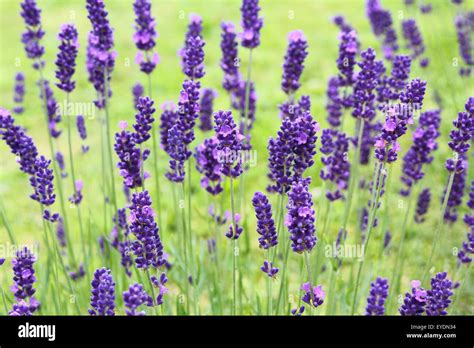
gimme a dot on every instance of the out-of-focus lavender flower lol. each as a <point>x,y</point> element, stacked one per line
<point>60,233</point>
<point>101,59</point>
<point>377,297</point>
<point>251,24</point>
<point>346,60</point>
<point>268,269</point>
<point>220,220</point>
<point>160,283</point>
<point>207,163</point>
<point>424,143</point>
<point>134,297</point>
<point>23,283</point>
<point>365,83</point>
<point>66,58</point>
<point>19,93</point>
<point>426,8</point>
<point>298,311</point>
<point>294,62</point>
<point>229,144</point>
<point>455,196</point>
<point>229,61</point>
<point>335,145</point>
<point>422,205</point>
<point>239,104</point>
<point>382,26</point>
<point>60,160</point>
<point>143,119</point>
<point>341,23</point>
<point>147,247</point>
<point>313,296</point>
<point>194,30</point>
<point>81,129</point>
<point>460,137</point>
<point>42,182</point>
<point>292,110</point>
<point>464,30</point>
<point>168,119</point>
<point>211,246</point>
<point>130,157</point>
<point>178,153</point>
<point>234,232</point>
<point>414,302</point>
<point>438,298</point>
<point>20,144</point>
<point>102,293</point>
<point>206,108</point>
<point>467,248</point>
<point>188,110</point>
<point>52,217</point>
<point>396,120</point>
<point>2,261</point>
<point>469,218</point>
<point>300,219</point>
<point>412,35</point>
<point>334,106</point>
<point>292,151</point>
<point>387,239</point>
<point>265,223</point>
<point>390,87</point>
<point>34,32</point>
<point>51,107</point>
<point>76,198</point>
<point>193,58</point>
<point>145,35</point>
<point>137,92</point>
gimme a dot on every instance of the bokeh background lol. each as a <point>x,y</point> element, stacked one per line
<point>314,17</point>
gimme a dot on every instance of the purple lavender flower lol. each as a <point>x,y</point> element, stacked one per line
<point>460,137</point>
<point>51,107</point>
<point>438,298</point>
<point>143,119</point>
<point>134,297</point>
<point>145,35</point>
<point>390,87</point>
<point>377,297</point>
<point>315,296</point>
<point>206,108</point>
<point>341,23</point>
<point>20,144</point>
<point>334,104</point>
<point>469,218</point>
<point>76,275</point>
<point>188,110</point>
<point>294,62</point>
<point>251,24</point>
<point>160,283</point>
<point>60,233</point>
<point>387,239</point>
<point>19,93</point>
<point>424,143</point>
<point>23,286</point>
<point>365,83</point>
<point>194,30</point>
<point>178,153</point>
<point>76,198</point>
<point>66,58</point>
<point>234,233</point>
<point>265,223</point>
<point>62,166</point>
<point>147,247</point>
<point>81,129</point>
<point>412,35</point>
<point>239,104</point>
<point>137,91</point>
<point>268,269</point>
<point>34,32</point>
<point>193,58</point>
<point>102,293</point>
<point>422,205</point>
<point>335,145</point>
<point>168,118</point>
<point>414,302</point>
<point>382,26</point>
<point>467,248</point>
<point>101,59</point>
<point>300,219</point>
<point>229,143</point>
<point>130,157</point>
<point>229,61</point>
<point>346,61</point>
<point>42,182</point>
<point>2,261</point>
<point>297,311</point>
<point>464,34</point>
<point>207,163</point>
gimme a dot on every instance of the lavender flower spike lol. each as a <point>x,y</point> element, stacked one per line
<point>207,163</point>
<point>412,35</point>
<point>66,59</point>
<point>206,109</point>
<point>251,24</point>
<point>300,219</point>
<point>137,91</point>
<point>19,93</point>
<point>229,143</point>
<point>34,33</point>
<point>193,58</point>
<point>438,297</point>
<point>81,129</point>
<point>145,35</point>
<point>134,297</point>
<point>265,223</point>
<point>102,293</point>
<point>144,119</point>
<point>229,61</point>
<point>188,110</point>
<point>414,302</point>
<point>294,61</point>
<point>42,182</point>
<point>377,297</point>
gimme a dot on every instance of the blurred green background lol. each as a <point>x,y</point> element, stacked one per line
<point>314,17</point>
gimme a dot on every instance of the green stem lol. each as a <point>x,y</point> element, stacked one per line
<point>234,247</point>
<point>185,249</point>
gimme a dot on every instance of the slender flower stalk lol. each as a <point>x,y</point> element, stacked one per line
<point>19,93</point>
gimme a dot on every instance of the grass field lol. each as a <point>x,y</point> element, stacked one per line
<point>314,17</point>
